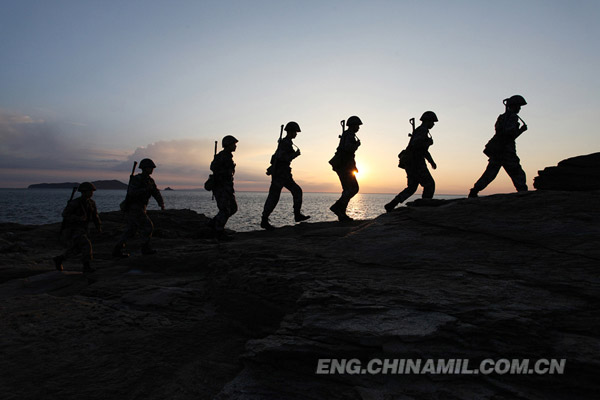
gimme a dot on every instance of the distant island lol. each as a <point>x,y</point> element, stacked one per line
<point>100,185</point>
<point>168,188</point>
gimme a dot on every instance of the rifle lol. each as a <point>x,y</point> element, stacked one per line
<point>213,193</point>
<point>412,123</point>
<point>62,225</point>
<point>125,203</point>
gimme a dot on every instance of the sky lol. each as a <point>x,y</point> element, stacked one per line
<point>87,87</point>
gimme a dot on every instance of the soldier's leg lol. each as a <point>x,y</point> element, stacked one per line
<point>273,197</point>
<point>488,176</point>
<point>350,185</point>
<point>428,183</point>
<point>146,228</point>
<point>86,253</point>
<point>296,192</point>
<point>412,183</point>
<point>223,204</point>
<point>513,168</point>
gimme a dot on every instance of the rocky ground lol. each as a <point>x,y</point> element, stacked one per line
<point>504,276</point>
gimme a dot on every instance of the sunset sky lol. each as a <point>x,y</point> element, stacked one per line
<point>86,87</point>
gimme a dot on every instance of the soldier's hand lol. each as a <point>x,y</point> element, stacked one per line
<point>433,165</point>
<point>523,128</point>
<point>298,152</point>
<point>162,207</point>
<point>358,142</point>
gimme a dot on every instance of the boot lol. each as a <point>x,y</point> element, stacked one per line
<point>335,208</point>
<point>119,251</point>
<point>58,262</point>
<point>299,217</point>
<point>87,269</point>
<point>345,218</point>
<point>264,223</point>
<point>147,249</point>
<point>389,207</point>
<point>473,193</point>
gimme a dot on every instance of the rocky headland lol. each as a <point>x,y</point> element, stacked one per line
<point>505,276</point>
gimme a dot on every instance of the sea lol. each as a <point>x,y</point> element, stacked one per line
<point>44,206</point>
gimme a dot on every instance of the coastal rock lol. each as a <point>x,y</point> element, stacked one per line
<point>504,276</point>
<point>577,173</point>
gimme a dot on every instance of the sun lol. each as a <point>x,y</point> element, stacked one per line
<point>361,170</point>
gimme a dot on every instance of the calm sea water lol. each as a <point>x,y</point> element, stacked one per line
<point>43,206</point>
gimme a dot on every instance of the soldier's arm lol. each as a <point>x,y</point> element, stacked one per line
<point>285,151</point>
<point>96,218</point>
<point>158,197</point>
<point>511,127</point>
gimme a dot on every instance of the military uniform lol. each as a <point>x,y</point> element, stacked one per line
<point>76,216</point>
<point>346,170</point>
<point>223,169</point>
<point>502,153</point>
<point>141,188</point>
<point>281,177</point>
<point>417,172</point>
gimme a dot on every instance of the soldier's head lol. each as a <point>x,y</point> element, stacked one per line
<point>87,189</point>
<point>292,128</point>
<point>353,123</point>
<point>514,103</point>
<point>229,143</point>
<point>429,119</point>
<point>147,166</point>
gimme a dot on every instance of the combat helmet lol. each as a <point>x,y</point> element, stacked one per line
<point>429,116</point>
<point>227,140</point>
<point>516,100</point>
<point>147,163</point>
<point>292,127</point>
<point>86,186</point>
<point>353,120</point>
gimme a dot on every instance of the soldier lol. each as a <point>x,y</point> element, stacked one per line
<point>502,150</point>
<point>281,177</point>
<point>141,188</point>
<point>223,169</point>
<point>76,216</point>
<point>345,167</point>
<point>416,170</point>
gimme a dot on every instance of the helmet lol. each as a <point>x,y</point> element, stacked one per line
<point>353,120</point>
<point>429,116</point>
<point>516,100</point>
<point>227,140</point>
<point>292,126</point>
<point>147,163</point>
<point>86,186</point>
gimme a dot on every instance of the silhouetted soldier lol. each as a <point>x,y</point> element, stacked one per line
<point>76,216</point>
<point>141,188</point>
<point>281,177</point>
<point>502,149</point>
<point>223,169</point>
<point>344,165</point>
<point>416,169</point>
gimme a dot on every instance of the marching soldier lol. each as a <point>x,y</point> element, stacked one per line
<point>141,188</point>
<point>344,165</point>
<point>281,177</point>
<point>223,169</point>
<point>76,216</point>
<point>502,149</point>
<point>416,169</point>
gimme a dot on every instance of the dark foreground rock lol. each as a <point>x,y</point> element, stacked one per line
<point>576,173</point>
<point>505,276</point>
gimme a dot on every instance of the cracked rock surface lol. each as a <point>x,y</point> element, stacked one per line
<point>505,276</point>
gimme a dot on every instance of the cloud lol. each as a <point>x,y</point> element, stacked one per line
<point>40,147</point>
<point>26,143</point>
